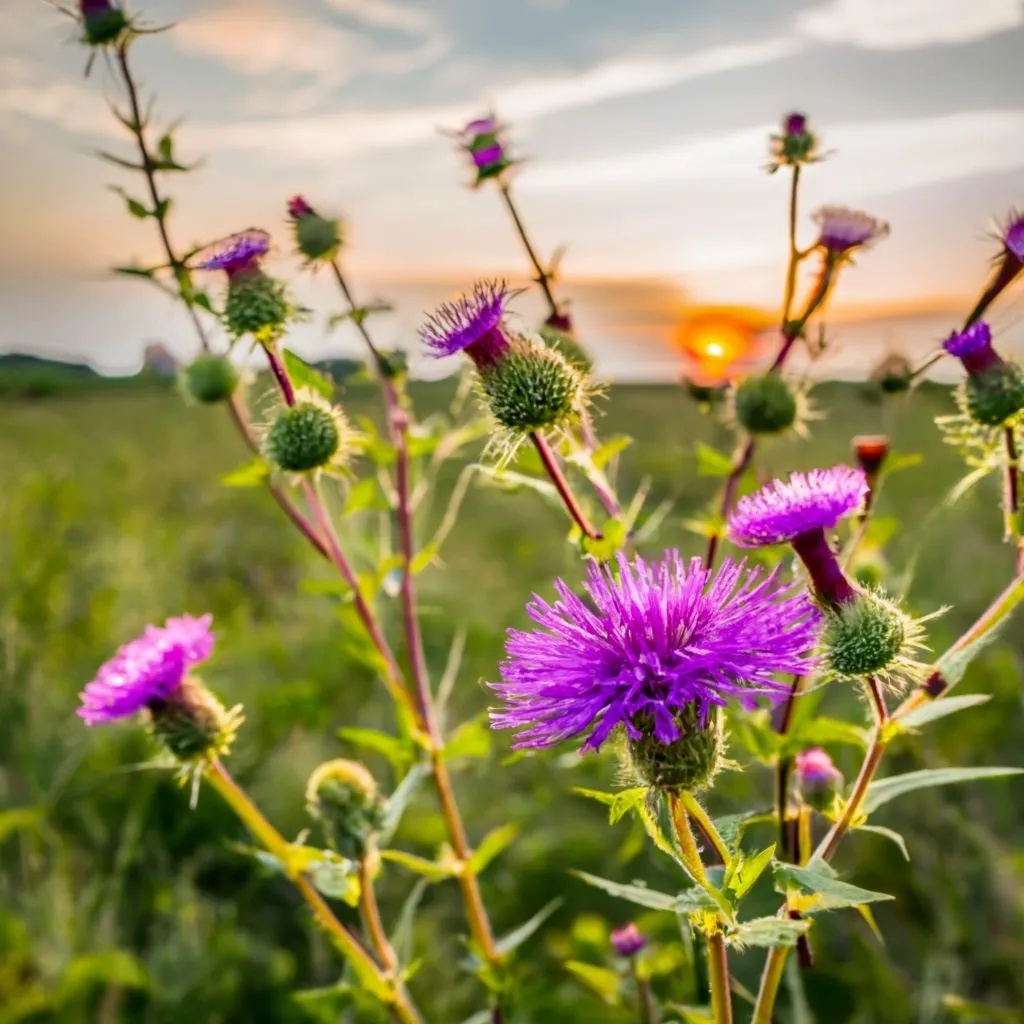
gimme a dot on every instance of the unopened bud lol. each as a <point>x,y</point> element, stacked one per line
<point>102,21</point>
<point>628,940</point>
<point>864,636</point>
<point>817,778</point>
<point>795,144</point>
<point>210,378</point>
<point>343,796</point>
<point>305,436</point>
<point>688,763</point>
<point>996,395</point>
<point>257,304</point>
<point>765,405</point>
<point>565,341</point>
<point>482,140</point>
<point>317,237</point>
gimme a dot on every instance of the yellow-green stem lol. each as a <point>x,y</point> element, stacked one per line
<point>718,979</point>
<point>706,825</point>
<point>771,977</point>
<point>684,836</point>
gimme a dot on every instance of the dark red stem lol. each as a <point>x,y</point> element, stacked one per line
<point>822,566</point>
<point>547,456</point>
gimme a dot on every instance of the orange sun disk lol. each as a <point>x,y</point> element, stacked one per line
<point>716,343</point>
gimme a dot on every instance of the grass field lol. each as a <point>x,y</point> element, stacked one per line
<point>118,903</point>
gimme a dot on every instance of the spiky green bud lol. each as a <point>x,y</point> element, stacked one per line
<point>210,378</point>
<point>102,22</point>
<point>865,636</point>
<point>689,763</point>
<point>343,796</point>
<point>256,304</point>
<point>192,724</point>
<point>765,405</point>
<point>995,395</point>
<point>317,238</point>
<point>566,343</point>
<point>305,436</point>
<point>532,387</point>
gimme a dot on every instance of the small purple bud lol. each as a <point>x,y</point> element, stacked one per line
<point>795,124</point>
<point>817,777</point>
<point>299,208</point>
<point>481,139</point>
<point>628,940</point>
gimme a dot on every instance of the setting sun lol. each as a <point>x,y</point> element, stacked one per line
<point>716,340</point>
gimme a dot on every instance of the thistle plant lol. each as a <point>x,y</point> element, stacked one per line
<point>683,669</point>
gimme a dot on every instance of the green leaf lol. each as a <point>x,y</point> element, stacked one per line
<point>979,1013</point>
<point>165,147</point>
<point>732,826</point>
<point>471,739</point>
<point>393,748</point>
<point>147,272</point>
<point>602,981</point>
<point>615,444</point>
<point>490,846</point>
<point>429,869</point>
<point>402,937</point>
<point>940,709</point>
<point>305,376</point>
<point>595,794</point>
<point>626,801</point>
<point>112,967</point>
<point>748,871</point>
<point>399,800</point>
<point>162,208</point>
<point>826,892</point>
<point>614,535</point>
<point>900,460</point>
<point>20,819</point>
<point>335,876</point>
<point>512,482</point>
<point>518,936</point>
<point>696,898</point>
<point>890,834</point>
<point>711,462</point>
<point>818,732</point>
<point>694,1014</point>
<point>883,790</point>
<point>365,495</point>
<point>250,474</point>
<point>638,894</point>
<point>768,932</point>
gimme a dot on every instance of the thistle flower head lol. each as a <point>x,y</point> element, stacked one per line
<point>894,374</point>
<point>482,140</point>
<point>782,510</point>
<point>238,253</point>
<point>795,144</point>
<point>969,342</point>
<point>1013,236</point>
<point>843,229</point>
<point>470,324</point>
<point>657,643</point>
<point>146,669</point>
<point>343,796</point>
<point>299,208</point>
<point>628,940</point>
<point>210,378</point>
<point>102,21</point>
<point>766,404</point>
<point>317,237</point>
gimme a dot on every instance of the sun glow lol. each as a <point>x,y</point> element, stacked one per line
<point>717,342</point>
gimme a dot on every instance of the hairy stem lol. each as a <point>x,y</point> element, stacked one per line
<point>718,975</point>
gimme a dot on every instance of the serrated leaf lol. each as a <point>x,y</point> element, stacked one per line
<point>518,936</point>
<point>732,826</point>
<point>471,739</point>
<point>695,898</point>
<point>748,871</point>
<point>638,894</point>
<point>595,794</point>
<point>768,932</point>
<point>890,834</point>
<point>490,846</point>
<point>712,462</point>
<point>393,748</point>
<point>937,709</point>
<point>305,376</point>
<point>429,869</point>
<point>826,892</point>
<point>250,474</point>
<point>883,790</point>
<point>602,981</point>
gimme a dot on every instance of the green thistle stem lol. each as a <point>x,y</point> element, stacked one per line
<point>718,976</point>
<point>705,826</point>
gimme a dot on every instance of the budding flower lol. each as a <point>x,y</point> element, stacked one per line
<point>343,796</point>
<point>871,452</point>
<point>843,230</point>
<point>689,763</point>
<point>151,675</point>
<point>893,374</point>
<point>794,145</point>
<point>557,332</point>
<point>628,940</point>
<point>210,378</point>
<point>994,390</point>
<point>317,238</point>
<point>102,21</point>
<point>256,304</point>
<point>818,779</point>
<point>870,635</point>
<point>482,140</point>
<point>307,435</point>
<point>765,404</point>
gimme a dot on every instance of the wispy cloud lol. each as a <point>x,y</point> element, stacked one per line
<point>387,14</point>
<point>32,90</point>
<point>909,24</point>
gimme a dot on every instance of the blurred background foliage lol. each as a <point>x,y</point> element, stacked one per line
<point>118,903</point>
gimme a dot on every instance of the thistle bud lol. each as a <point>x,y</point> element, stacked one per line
<point>192,724</point>
<point>482,140</point>
<point>795,144</point>
<point>628,940</point>
<point>818,779</point>
<point>704,394</point>
<point>893,375</point>
<point>765,405</point>
<point>994,390</point>
<point>688,763</point>
<point>532,387</point>
<point>871,452</point>
<point>317,237</point>
<point>343,796</point>
<point>305,436</point>
<point>102,21</point>
<point>564,341</point>
<point>865,636</point>
<point>210,378</point>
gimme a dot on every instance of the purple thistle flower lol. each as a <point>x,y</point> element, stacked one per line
<point>470,324</point>
<point>782,510</point>
<point>843,229</point>
<point>238,253</point>
<point>794,124</point>
<point>662,637</point>
<point>1013,236</point>
<point>815,766</point>
<point>147,669</point>
<point>628,940</point>
<point>973,347</point>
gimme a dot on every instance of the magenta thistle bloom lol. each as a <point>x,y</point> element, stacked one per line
<point>482,140</point>
<point>299,208</point>
<point>150,668</point>
<point>973,347</point>
<point>782,510</point>
<point>795,124</point>
<point>655,640</point>
<point>238,253</point>
<point>628,940</point>
<point>470,324</point>
<point>843,229</point>
<point>815,766</point>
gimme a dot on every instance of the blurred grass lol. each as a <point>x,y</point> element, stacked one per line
<point>117,903</point>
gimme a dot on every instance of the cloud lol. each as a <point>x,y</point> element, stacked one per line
<point>386,14</point>
<point>908,24</point>
<point>32,91</point>
<point>877,157</point>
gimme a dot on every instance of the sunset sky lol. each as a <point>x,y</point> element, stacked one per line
<point>645,123</point>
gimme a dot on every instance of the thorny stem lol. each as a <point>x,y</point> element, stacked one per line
<point>547,457</point>
<point>363,964</point>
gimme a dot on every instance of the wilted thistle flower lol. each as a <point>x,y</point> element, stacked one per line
<point>843,230</point>
<point>482,140</point>
<point>766,404</point>
<point>794,145</point>
<point>658,650</point>
<point>317,238</point>
<point>256,304</point>
<point>308,435</point>
<point>526,385</point>
<point>151,675</point>
<point>818,779</point>
<point>210,378</point>
<point>102,21</point>
<point>628,940</point>
<point>343,796</point>
<point>994,390</point>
